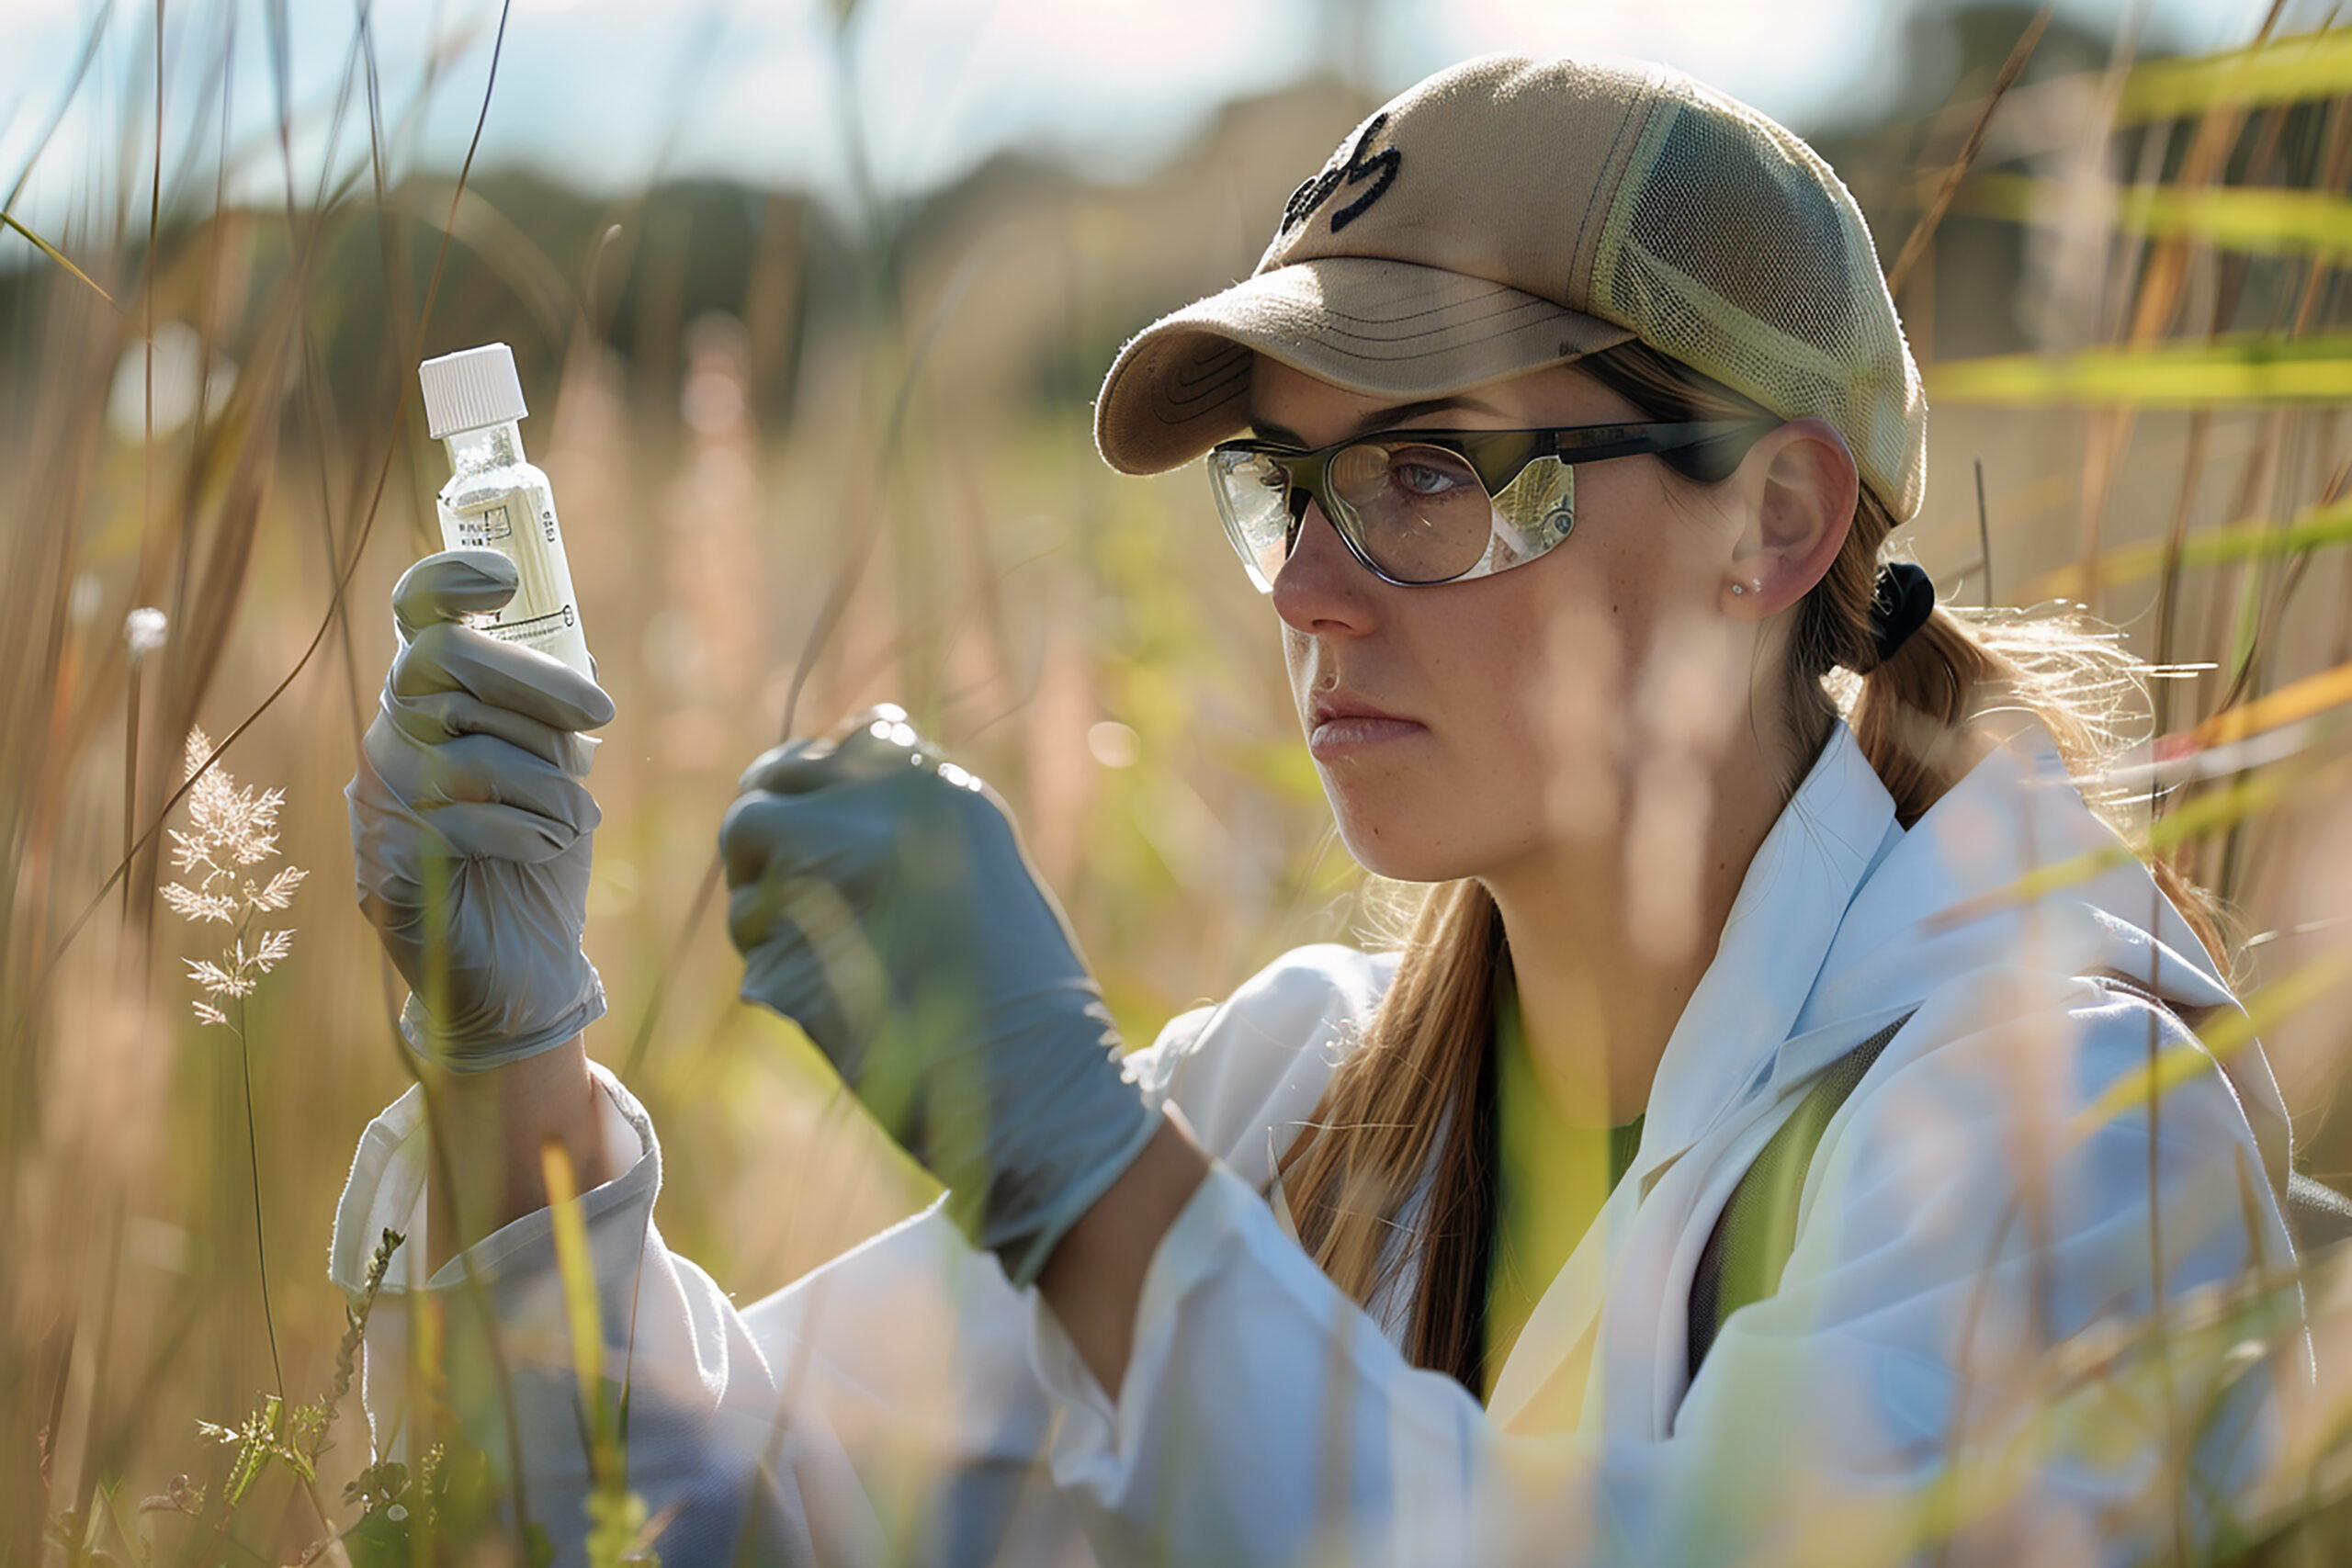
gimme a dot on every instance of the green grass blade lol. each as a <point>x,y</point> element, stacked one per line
<point>2312,65</point>
<point>2315,528</point>
<point>53,253</point>
<point>2290,704</point>
<point>2235,802</point>
<point>616,1516</point>
<point>2224,373</point>
<point>576,1268</point>
<point>2227,1034</point>
<point>2258,220</point>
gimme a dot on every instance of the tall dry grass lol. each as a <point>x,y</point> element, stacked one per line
<point>785,493</point>
<point>808,460</point>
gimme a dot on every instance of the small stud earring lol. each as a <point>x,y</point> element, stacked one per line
<point>1740,588</point>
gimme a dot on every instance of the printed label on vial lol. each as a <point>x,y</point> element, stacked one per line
<point>485,529</point>
<point>543,614</point>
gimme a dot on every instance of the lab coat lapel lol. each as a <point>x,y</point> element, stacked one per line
<point>1959,894</point>
<point>1835,827</point>
<point>1955,894</point>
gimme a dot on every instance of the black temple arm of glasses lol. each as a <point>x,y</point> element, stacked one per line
<point>1593,443</point>
<point>1705,451</point>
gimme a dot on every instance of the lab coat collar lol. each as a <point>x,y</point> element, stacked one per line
<point>1844,923</point>
<point>1838,824</point>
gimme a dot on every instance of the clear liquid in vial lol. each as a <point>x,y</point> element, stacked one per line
<point>508,506</point>
<point>496,500</point>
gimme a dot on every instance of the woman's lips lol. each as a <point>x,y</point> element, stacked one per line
<point>1343,734</point>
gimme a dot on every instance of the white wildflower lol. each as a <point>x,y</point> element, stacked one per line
<point>279,892</point>
<point>143,628</point>
<point>216,981</point>
<point>230,828</point>
<point>191,904</point>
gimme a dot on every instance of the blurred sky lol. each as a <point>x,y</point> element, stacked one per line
<point>611,93</point>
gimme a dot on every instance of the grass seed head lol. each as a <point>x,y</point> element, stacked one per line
<point>232,831</point>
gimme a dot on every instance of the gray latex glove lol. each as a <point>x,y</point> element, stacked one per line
<point>881,898</point>
<point>470,830</point>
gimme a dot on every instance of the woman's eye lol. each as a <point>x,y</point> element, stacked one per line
<point>1424,478</point>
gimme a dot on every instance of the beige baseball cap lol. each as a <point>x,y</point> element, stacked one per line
<point>1510,213</point>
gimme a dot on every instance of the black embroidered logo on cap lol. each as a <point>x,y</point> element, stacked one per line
<point>1349,166</point>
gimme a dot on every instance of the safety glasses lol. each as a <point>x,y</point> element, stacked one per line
<point>1426,506</point>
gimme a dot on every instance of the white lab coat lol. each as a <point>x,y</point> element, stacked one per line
<point>1962,1224</point>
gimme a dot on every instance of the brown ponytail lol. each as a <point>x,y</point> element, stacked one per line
<point>1424,1072</point>
<point>1919,715</point>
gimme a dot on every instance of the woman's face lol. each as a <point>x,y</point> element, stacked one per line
<point>1518,697</point>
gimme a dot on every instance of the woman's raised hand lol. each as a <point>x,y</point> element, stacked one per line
<point>881,898</point>
<point>470,828</point>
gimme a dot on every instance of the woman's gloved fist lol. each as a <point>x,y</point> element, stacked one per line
<point>470,828</point>
<point>881,898</point>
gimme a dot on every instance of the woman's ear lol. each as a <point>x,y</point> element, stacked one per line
<point>1803,487</point>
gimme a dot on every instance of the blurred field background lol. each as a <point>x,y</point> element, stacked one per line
<point>822,439</point>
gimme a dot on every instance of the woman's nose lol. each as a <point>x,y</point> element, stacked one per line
<point>1322,587</point>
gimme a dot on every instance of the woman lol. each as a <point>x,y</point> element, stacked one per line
<point>1719,1166</point>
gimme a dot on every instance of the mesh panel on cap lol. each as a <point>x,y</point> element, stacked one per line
<point>1732,248</point>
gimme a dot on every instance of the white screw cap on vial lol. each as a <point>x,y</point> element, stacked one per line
<point>470,389</point>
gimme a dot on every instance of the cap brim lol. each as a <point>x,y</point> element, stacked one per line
<point>1385,329</point>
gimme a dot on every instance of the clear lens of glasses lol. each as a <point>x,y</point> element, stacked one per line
<point>1252,500</point>
<point>1419,511</point>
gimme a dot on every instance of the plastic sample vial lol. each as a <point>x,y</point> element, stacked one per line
<point>495,499</point>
